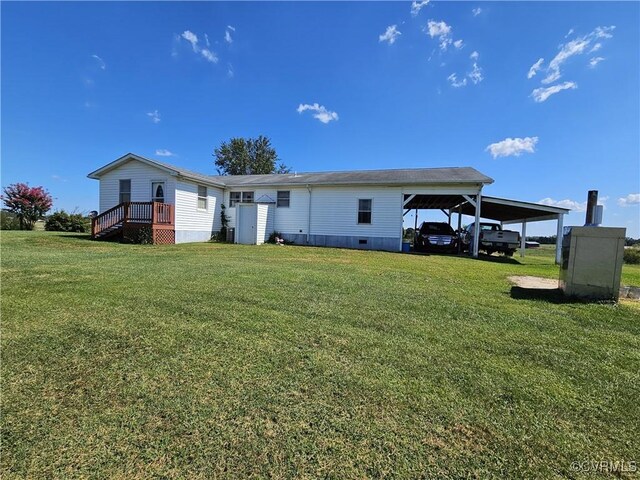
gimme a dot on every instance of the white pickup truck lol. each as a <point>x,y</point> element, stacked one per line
<point>492,238</point>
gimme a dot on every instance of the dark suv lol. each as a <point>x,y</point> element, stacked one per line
<point>436,237</point>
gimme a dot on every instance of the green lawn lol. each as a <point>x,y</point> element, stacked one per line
<point>223,361</point>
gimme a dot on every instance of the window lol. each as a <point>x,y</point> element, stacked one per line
<point>125,191</point>
<point>240,197</point>
<point>234,197</point>
<point>157,192</point>
<point>202,197</point>
<point>283,198</point>
<point>364,210</point>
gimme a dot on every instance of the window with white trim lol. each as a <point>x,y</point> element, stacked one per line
<point>240,197</point>
<point>202,197</point>
<point>157,192</point>
<point>364,211</point>
<point>284,197</point>
<point>125,191</point>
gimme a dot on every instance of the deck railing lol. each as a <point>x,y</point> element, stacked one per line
<point>153,213</point>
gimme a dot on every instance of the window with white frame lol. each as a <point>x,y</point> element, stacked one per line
<point>157,192</point>
<point>240,197</point>
<point>284,197</point>
<point>125,191</point>
<point>202,197</point>
<point>364,211</point>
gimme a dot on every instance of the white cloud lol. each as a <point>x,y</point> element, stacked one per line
<point>577,46</point>
<point>566,203</point>
<point>209,55</point>
<point>103,65</point>
<point>474,55</point>
<point>154,116</point>
<point>321,113</point>
<point>476,74</point>
<point>541,94</point>
<point>629,200</point>
<point>163,152</point>
<point>453,79</point>
<point>417,6</point>
<point>535,68</point>
<point>458,44</point>
<point>476,11</point>
<point>442,32</point>
<point>192,38</point>
<point>513,147</point>
<point>206,39</point>
<point>390,35</point>
<point>230,72</point>
<point>596,47</point>
<point>438,29</point>
<point>569,33</point>
<point>595,61</point>
<point>227,34</point>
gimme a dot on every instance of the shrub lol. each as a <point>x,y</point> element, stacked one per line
<point>140,236</point>
<point>218,237</point>
<point>272,237</point>
<point>632,255</point>
<point>9,221</point>
<point>67,222</point>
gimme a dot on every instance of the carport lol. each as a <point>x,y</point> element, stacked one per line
<point>503,210</point>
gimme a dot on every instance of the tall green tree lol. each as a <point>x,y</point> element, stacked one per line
<point>248,156</point>
<point>29,204</point>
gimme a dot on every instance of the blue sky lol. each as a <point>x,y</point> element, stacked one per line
<point>336,86</point>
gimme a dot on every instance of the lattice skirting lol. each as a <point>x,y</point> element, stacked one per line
<point>164,236</point>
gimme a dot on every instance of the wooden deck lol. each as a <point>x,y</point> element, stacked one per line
<point>125,220</point>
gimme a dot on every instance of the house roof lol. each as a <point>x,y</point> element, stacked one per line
<point>407,176</point>
<point>410,176</point>
<point>170,169</point>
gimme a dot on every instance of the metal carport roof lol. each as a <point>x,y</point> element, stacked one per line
<point>511,211</point>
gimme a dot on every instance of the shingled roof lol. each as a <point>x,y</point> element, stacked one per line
<point>406,176</point>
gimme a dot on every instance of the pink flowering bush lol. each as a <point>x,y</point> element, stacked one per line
<point>29,204</point>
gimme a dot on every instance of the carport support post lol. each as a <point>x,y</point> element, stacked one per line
<point>559,240</point>
<point>523,242</point>
<point>459,228</point>
<point>476,229</point>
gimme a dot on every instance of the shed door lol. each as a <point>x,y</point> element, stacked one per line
<point>247,216</point>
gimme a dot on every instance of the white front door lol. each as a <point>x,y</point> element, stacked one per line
<point>247,223</point>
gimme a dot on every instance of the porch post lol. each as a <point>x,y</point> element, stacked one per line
<point>523,243</point>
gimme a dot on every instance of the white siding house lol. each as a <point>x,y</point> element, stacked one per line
<point>196,220</point>
<point>358,209</point>
<point>196,198</point>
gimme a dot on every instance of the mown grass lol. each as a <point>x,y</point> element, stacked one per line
<point>222,361</point>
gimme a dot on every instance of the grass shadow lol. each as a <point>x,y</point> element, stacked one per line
<point>78,236</point>
<point>550,295</point>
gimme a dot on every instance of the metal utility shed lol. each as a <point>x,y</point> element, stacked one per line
<point>507,211</point>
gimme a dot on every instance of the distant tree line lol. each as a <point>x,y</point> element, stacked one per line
<point>551,240</point>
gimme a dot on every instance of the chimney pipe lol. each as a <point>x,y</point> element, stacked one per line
<point>592,202</point>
